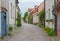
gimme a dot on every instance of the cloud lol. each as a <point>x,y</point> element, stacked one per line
<point>31,0</point>
<point>25,4</point>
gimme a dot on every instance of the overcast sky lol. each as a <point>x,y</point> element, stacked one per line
<point>25,4</point>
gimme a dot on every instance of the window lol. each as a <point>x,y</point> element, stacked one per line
<point>11,10</point>
<point>49,13</point>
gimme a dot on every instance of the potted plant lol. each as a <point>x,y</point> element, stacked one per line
<point>47,20</point>
<point>10,28</point>
<point>51,20</point>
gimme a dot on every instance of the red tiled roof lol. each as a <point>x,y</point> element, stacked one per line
<point>41,6</point>
<point>30,9</point>
<point>36,8</point>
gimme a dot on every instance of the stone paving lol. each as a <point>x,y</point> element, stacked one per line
<point>29,32</point>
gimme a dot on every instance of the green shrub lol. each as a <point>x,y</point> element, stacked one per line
<point>50,31</point>
<point>18,23</point>
<point>18,19</point>
<point>10,28</point>
<point>9,34</point>
<point>47,29</point>
<point>2,37</point>
<point>47,20</point>
<point>41,16</point>
<point>30,19</point>
<point>41,25</point>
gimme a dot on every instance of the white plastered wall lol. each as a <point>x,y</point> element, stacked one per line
<point>11,13</point>
<point>49,5</point>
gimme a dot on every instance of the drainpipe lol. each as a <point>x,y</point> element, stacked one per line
<point>55,18</point>
<point>44,12</point>
<point>55,21</point>
<point>15,13</point>
<point>56,24</point>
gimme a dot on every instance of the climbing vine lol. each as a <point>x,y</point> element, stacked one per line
<point>18,19</point>
<point>30,19</point>
<point>41,18</point>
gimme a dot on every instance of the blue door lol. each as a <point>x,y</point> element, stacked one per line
<point>3,24</point>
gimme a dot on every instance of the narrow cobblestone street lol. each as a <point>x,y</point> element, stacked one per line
<point>29,20</point>
<point>29,32</point>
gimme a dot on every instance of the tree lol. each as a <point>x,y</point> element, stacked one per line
<point>25,15</point>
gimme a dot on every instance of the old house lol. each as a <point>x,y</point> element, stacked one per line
<point>36,11</point>
<point>7,15</point>
<point>12,13</point>
<point>35,15</point>
<point>13,4</point>
<point>56,13</point>
<point>17,11</point>
<point>41,6</point>
<point>3,17</point>
<point>32,13</point>
<point>49,17</point>
<point>29,10</point>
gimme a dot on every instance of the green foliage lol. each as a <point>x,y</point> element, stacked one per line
<point>9,34</point>
<point>41,15</point>
<point>30,19</point>
<point>41,18</point>
<point>2,37</point>
<point>41,25</point>
<point>47,20</point>
<point>50,31</point>
<point>10,28</point>
<point>47,29</point>
<point>25,15</point>
<point>18,23</point>
<point>18,19</point>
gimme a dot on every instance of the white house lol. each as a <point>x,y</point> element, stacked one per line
<point>48,13</point>
<point>17,10</point>
<point>35,15</point>
<point>13,4</point>
<point>36,12</point>
<point>29,10</point>
<point>36,18</point>
<point>3,17</point>
<point>11,12</point>
<point>7,15</point>
<point>56,12</point>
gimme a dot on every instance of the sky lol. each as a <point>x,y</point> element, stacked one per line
<point>25,4</point>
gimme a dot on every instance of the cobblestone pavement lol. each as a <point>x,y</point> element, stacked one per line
<point>29,32</point>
